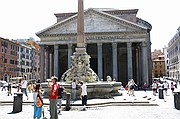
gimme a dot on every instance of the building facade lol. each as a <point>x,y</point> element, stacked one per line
<point>24,59</point>
<point>8,59</point>
<point>166,61</point>
<point>35,59</point>
<point>158,67</point>
<point>117,41</point>
<point>28,58</point>
<point>174,56</point>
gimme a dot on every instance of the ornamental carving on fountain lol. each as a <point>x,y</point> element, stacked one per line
<point>80,68</point>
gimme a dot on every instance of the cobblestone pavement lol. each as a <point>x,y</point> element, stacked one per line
<point>165,110</point>
<point>110,112</point>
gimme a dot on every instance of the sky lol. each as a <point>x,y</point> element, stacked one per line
<point>23,18</point>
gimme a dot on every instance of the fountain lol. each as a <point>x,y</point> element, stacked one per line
<point>80,67</point>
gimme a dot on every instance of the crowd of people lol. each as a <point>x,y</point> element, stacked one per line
<point>56,95</point>
<point>57,90</point>
<point>156,84</point>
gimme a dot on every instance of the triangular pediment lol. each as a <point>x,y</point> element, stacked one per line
<point>94,21</point>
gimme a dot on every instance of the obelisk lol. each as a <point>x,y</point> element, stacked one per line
<point>80,66</point>
<point>80,25</point>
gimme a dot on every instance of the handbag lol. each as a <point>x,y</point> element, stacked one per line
<point>39,102</point>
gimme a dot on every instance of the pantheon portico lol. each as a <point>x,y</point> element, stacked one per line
<point>117,41</point>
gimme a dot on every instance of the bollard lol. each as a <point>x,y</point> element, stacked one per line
<point>177,100</point>
<point>161,95</point>
<point>17,104</point>
<point>68,98</point>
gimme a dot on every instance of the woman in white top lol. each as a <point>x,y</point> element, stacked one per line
<point>154,88</point>
<point>83,94</point>
<point>166,86</point>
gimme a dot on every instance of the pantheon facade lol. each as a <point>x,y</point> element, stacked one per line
<point>117,41</point>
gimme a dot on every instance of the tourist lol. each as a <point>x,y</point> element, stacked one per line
<point>74,88</point>
<point>165,86</point>
<point>145,86</point>
<point>59,101</point>
<point>53,97</point>
<point>37,110</point>
<point>29,87</point>
<point>83,94</point>
<point>3,87</point>
<point>131,87</point>
<point>128,87</point>
<point>154,88</point>
<point>9,89</point>
<point>24,87</point>
<point>172,87</point>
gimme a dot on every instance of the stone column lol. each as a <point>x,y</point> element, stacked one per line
<point>137,65</point>
<point>114,55</point>
<point>42,60</point>
<point>129,59</point>
<point>51,63</point>
<point>47,63</point>
<point>144,63</point>
<point>69,55</point>
<point>56,60</point>
<point>100,64</point>
<point>149,60</point>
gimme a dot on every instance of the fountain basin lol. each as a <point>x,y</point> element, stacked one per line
<point>94,90</point>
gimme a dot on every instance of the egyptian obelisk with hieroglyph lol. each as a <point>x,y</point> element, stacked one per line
<point>80,66</point>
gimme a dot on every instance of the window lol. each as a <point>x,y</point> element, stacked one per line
<point>11,61</point>
<point>12,52</point>
<point>5,61</point>
<point>27,50</point>
<point>23,70</point>
<point>22,49</point>
<point>27,70</point>
<point>23,63</point>
<point>27,63</point>
<point>11,47</point>
<point>16,62</point>
<point>23,55</point>
<point>27,56</point>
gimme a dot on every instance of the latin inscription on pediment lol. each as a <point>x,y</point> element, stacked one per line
<point>97,37</point>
